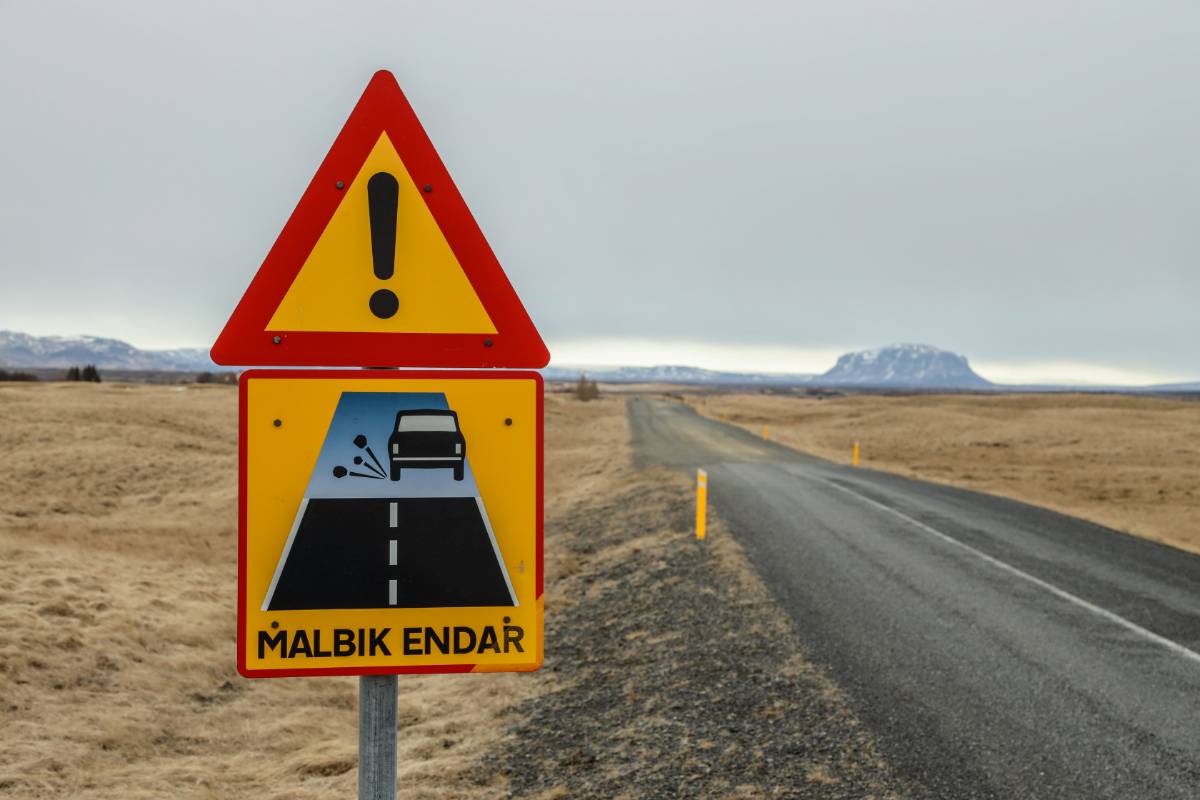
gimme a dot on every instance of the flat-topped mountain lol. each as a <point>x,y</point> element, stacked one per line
<point>904,365</point>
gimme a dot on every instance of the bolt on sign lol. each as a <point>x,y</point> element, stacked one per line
<point>390,520</point>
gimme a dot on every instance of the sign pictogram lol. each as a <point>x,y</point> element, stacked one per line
<point>390,521</point>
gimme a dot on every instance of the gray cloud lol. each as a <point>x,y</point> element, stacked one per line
<point>1010,180</point>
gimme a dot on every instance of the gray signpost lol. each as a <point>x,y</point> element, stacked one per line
<point>377,737</point>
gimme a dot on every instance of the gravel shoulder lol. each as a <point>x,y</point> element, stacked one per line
<point>670,672</point>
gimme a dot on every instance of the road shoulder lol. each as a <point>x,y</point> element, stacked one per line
<point>670,671</point>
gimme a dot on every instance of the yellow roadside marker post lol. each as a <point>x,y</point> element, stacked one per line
<point>854,458</point>
<point>701,503</point>
<point>766,433</point>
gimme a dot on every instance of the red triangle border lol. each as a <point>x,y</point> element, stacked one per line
<point>245,340</point>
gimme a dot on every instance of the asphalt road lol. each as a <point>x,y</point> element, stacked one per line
<point>995,649</point>
<point>379,552</point>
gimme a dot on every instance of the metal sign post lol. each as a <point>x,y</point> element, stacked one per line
<point>377,737</point>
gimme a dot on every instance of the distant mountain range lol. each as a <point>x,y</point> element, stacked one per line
<point>900,366</point>
<point>1193,386</point>
<point>23,350</point>
<point>674,374</point>
<point>912,366</point>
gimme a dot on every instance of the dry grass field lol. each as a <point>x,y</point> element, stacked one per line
<point>1130,463</point>
<point>117,679</point>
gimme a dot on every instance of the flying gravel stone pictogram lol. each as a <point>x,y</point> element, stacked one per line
<point>392,516</point>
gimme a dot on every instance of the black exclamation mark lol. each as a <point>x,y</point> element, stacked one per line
<point>382,193</point>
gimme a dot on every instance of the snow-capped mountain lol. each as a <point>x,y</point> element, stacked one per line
<point>904,365</point>
<point>24,350</point>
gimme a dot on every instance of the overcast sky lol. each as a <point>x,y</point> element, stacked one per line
<point>747,185</point>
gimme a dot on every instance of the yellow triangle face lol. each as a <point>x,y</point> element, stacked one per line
<point>333,289</point>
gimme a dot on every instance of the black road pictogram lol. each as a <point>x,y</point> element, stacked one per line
<point>406,552</point>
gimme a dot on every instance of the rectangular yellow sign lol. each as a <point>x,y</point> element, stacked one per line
<point>389,522</point>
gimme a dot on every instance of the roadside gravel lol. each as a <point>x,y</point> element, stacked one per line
<point>669,670</point>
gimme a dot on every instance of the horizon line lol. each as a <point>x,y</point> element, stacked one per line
<point>778,360</point>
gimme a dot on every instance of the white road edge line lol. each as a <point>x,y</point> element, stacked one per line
<point>287,549</point>
<point>1133,627</point>
<point>487,523</point>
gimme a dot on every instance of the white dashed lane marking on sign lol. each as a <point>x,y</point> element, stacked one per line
<point>393,550</point>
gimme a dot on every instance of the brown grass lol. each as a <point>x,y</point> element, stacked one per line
<point>117,679</point>
<point>1130,463</point>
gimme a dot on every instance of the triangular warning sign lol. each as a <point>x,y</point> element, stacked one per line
<point>381,264</point>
